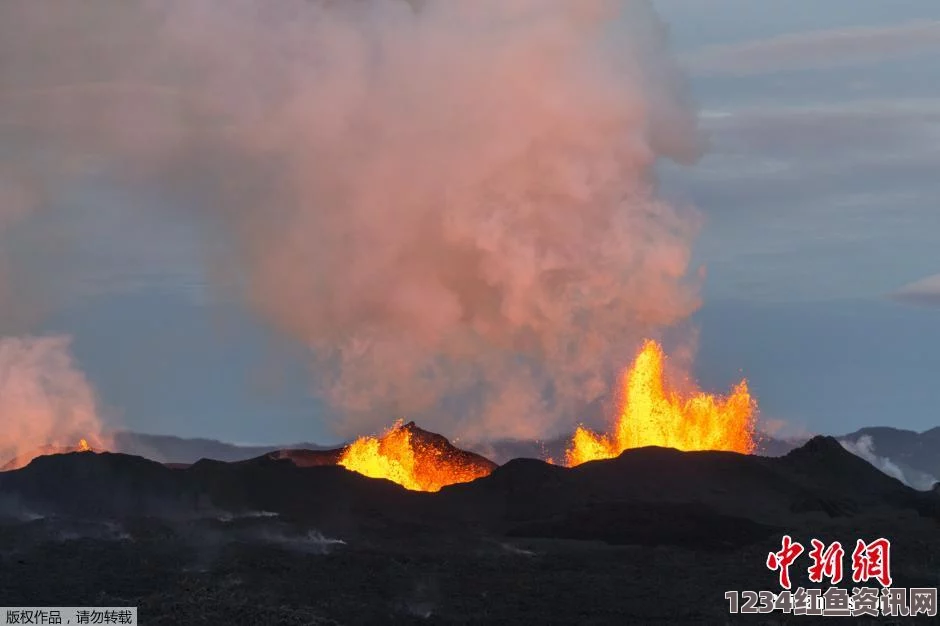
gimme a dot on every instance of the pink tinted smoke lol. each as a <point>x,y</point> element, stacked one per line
<point>45,400</point>
<point>452,204</point>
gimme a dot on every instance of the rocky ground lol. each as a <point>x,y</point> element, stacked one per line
<point>260,571</point>
<point>654,536</point>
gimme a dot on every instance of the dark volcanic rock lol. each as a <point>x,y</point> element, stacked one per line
<point>820,463</point>
<point>821,477</point>
<point>23,460</point>
<point>502,451</point>
<point>179,450</point>
<point>905,448</point>
<point>522,496</point>
<point>688,525</point>
<point>95,484</point>
<point>655,536</point>
<point>308,458</point>
<point>433,444</point>
<point>447,452</point>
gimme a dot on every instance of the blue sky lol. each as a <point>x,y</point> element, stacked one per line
<point>821,199</point>
<point>819,192</point>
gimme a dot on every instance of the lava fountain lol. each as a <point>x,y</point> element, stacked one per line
<point>413,458</point>
<point>652,414</point>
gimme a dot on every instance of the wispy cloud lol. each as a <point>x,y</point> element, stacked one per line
<point>839,136</point>
<point>789,190</point>
<point>885,148</point>
<point>925,292</point>
<point>809,50</point>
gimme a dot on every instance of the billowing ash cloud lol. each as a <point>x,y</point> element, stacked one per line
<point>864,447</point>
<point>450,203</point>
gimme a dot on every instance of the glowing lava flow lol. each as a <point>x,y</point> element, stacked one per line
<point>651,414</point>
<point>83,446</point>
<point>419,465</point>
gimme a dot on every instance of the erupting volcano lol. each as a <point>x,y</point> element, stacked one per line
<point>23,460</point>
<point>652,414</point>
<point>414,458</point>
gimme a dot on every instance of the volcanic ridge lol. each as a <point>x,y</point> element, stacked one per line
<point>293,536</point>
<point>641,487</point>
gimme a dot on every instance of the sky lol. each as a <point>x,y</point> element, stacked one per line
<point>818,193</point>
<point>821,199</point>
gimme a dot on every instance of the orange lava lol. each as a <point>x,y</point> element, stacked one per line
<point>396,456</point>
<point>26,458</point>
<point>652,414</point>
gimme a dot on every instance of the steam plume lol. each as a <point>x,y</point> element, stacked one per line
<point>45,400</point>
<point>864,448</point>
<point>451,203</point>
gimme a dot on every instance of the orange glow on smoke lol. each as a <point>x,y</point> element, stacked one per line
<point>24,459</point>
<point>396,456</point>
<point>652,414</point>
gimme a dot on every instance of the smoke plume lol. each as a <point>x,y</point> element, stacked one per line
<point>452,204</point>
<point>46,404</point>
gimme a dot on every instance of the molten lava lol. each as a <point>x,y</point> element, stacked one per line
<point>24,459</point>
<point>413,459</point>
<point>652,414</point>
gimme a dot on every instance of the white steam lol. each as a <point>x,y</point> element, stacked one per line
<point>864,448</point>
